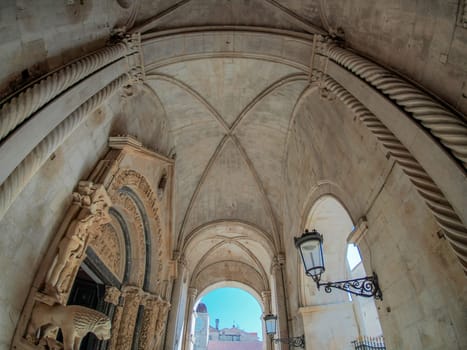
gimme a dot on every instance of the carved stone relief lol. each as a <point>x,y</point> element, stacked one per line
<point>109,246</point>
<point>151,312</point>
<point>161,322</point>
<point>71,249</point>
<point>137,182</point>
<point>88,223</point>
<point>74,321</point>
<point>132,297</point>
<point>112,295</point>
<point>138,237</point>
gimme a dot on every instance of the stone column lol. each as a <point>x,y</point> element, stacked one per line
<point>277,271</point>
<point>112,297</point>
<point>266,298</point>
<point>151,311</point>
<point>132,299</point>
<point>192,293</point>
<point>161,323</point>
<point>176,317</point>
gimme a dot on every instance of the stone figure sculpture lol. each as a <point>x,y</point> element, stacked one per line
<point>95,203</point>
<point>70,249</point>
<point>74,321</point>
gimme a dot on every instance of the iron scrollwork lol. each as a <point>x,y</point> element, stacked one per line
<point>365,286</point>
<point>297,342</point>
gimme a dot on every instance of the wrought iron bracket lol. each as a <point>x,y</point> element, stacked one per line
<point>297,342</point>
<point>365,287</point>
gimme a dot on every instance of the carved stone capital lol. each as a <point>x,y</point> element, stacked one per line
<point>134,58</point>
<point>277,262</point>
<point>359,231</point>
<point>326,94</point>
<point>325,42</point>
<point>93,198</point>
<point>129,291</point>
<point>192,293</point>
<point>112,295</point>
<point>266,298</point>
<point>132,41</point>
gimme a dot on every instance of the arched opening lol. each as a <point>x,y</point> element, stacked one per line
<point>339,318</point>
<point>227,315</point>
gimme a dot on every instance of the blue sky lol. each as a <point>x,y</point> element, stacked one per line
<point>234,305</point>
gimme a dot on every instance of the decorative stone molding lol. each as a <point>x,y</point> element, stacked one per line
<point>95,203</point>
<point>277,263</point>
<point>444,125</point>
<point>17,109</point>
<point>172,270</point>
<point>161,322</point>
<point>138,235</point>
<point>444,214</point>
<point>134,57</point>
<point>21,106</point>
<point>266,298</point>
<point>359,232</point>
<point>116,322</point>
<point>23,173</point>
<point>192,293</point>
<point>128,177</point>
<point>110,248</point>
<point>151,311</point>
<point>132,298</point>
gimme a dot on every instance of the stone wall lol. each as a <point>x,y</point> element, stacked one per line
<point>39,36</point>
<point>28,226</point>
<point>422,283</point>
<point>423,40</point>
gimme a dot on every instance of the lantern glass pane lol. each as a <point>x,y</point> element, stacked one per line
<point>270,322</point>
<point>312,256</point>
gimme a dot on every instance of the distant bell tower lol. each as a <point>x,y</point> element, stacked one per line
<point>202,327</point>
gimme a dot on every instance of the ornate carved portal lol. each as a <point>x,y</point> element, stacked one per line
<point>135,300</point>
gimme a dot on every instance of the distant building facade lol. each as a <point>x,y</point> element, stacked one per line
<point>213,338</point>
<point>201,328</point>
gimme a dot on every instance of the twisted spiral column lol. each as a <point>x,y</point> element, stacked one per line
<point>15,110</point>
<point>444,125</point>
<point>18,179</point>
<point>455,231</point>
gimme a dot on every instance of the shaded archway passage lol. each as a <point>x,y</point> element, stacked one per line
<point>228,253</point>
<point>339,313</point>
<point>227,315</point>
<point>431,168</point>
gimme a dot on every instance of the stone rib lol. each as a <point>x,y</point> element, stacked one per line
<point>455,231</point>
<point>20,107</point>
<point>445,126</point>
<point>20,177</point>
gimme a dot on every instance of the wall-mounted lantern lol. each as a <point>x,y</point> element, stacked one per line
<point>270,322</point>
<point>310,246</point>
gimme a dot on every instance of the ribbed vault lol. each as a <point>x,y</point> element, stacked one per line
<point>229,118</point>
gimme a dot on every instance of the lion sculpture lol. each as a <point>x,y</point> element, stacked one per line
<point>74,321</point>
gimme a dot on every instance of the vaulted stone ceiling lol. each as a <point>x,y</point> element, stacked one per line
<point>284,14</point>
<point>229,117</point>
<point>229,120</point>
<point>229,102</point>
